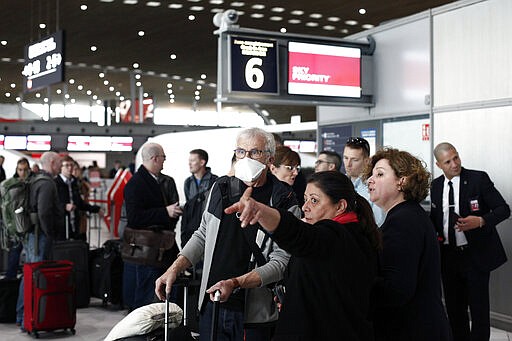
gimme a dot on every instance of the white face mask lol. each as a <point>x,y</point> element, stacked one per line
<point>248,170</point>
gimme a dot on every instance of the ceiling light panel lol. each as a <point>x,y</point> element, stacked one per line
<point>153,3</point>
<point>216,2</point>
<point>175,6</point>
<point>196,8</point>
<point>130,2</point>
<point>277,9</point>
<point>297,12</point>
<point>276,18</point>
<point>257,15</point>
<point>258,6</point>
<point>315,16</point>
<point>294,21</point>
<point>238,4</point>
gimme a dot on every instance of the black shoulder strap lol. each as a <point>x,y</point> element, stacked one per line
<point>231,189</point>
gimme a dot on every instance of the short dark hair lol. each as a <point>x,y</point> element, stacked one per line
<point>332,157</point>
<point>203,155</point>
<point>286,156</point>
<point>359,143</point>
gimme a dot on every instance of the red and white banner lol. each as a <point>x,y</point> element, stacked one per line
<point>324,70</point>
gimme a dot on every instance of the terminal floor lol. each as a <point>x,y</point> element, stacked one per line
<point>94,323</point>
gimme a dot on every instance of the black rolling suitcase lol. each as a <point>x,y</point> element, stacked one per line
<point>8,297</point>
<point>106,271</point>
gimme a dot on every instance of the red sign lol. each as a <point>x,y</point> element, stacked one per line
<point>425,132</point>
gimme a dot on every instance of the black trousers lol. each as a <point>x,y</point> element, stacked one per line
<point>465,287</point>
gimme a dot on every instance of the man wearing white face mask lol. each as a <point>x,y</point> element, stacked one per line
<point>230,252</point>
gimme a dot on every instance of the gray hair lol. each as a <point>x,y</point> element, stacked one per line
<point>47,159</point>
<point>270,143</point>
<point>443,147</point>
<point>149,150</point>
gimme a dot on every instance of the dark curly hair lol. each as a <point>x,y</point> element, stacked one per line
<point>417,183</point>
<point>338,186</point>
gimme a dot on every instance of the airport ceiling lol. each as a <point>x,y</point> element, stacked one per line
<point>172,41</point>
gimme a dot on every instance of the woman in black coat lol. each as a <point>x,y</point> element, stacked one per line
<point>333,260</point>
<point>407,294</point>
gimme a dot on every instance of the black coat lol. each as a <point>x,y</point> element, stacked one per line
<point>407,294</point>
<point>145,203</point>
<point>81,205</point>
<point>328,281</point>
<point>485,246</point>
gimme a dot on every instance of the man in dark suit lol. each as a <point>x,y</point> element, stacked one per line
<point>151,200</point>
<point>466,207</point>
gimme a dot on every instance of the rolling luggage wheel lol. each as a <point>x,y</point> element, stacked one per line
<point>73,331</point>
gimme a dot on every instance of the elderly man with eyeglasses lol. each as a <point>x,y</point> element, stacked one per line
<point>356,156</point>
<point>229,251</point>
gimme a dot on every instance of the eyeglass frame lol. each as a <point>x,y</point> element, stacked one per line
<point>358,142</point>
<point>317,162</point>
<point>260,152</point>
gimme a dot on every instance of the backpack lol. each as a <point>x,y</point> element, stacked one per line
<point>16,207</point>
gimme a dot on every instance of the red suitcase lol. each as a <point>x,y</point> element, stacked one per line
<point>49,296</point>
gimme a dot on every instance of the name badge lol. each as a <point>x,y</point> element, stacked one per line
<point>474,205</point>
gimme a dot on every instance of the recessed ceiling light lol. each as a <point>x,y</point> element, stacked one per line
<point>105,82</point>
<point>169,91</point>
<point>89,92</point>
<point>176,77</point>
<point>42,26</point>
<point>71,81</point>
<point>199,87</point>
<point>6,59</point>
<point>173,56</point>
<point>362,11</point>
<point>200,81</point>
<point>13,85</point>
<point>258,6</point>
<point>216,2</point>
<point>58,91</point>
<point>137,76</point>
<point>240,13</point>
<point>169,85</point>
<point>367,26</point>
<point>121,98</point>
<point>297,12</point>
<point>101,75</point>
<point>283,30</point>
<point>45,99</point>
<point>196,8</point>
<point>175,6</point>
<point>93,48</point>
<point>238,4</point>
<point>83,7</point>
<point>315,15</point>
<point>191,17</point>
<point>135,65</point>
<point>130,2</point>
<point>150,73</point>
<point>146,95</point>
<point>111,88</point>
<point>153,3</point>
<point>203,76</point>
<point>333,19</point>
<point>171,100</point>
<point>7,94</point>
<point>80,87</point>
<point>66,96</point>
<point>197,92</point>
<point>106,0</point>
<point>18,99</point>
<point>265,112</point>
<point>277,9</point>
<point>82,64</point>
<point>312,24</point>
<point>118,93</point>
<point>294,21</point>
<point>3,42</point>
<point>123,68</point>
<point>275,18</point>
<point>98,102</point>
<point>172,96</point>
<point>141,33</point>
<point>94,97</point>
<point>188,79</point>
<point>216,10</point>
<point>257,15</point>
<point>138,83</point>
<point>351,22</point>
<point>329,27</point>
<point>344,31</point>
<point>38,95</point>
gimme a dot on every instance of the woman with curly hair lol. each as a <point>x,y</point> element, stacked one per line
<point>407,293</point>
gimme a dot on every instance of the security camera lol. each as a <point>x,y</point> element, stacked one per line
<point>226,19</point>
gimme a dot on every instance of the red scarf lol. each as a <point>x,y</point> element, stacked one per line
<point>346,217</point>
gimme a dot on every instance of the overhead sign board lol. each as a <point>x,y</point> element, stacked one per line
<point>263,67</point>
<point>44,62</point>
<point>253,65</point>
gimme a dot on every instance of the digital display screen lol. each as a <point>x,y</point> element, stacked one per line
<point>254,65</point>
<point>15,142</point>
<point>324,70</point>
<point>100,143</point>
<point>39,142</point>
<point>44,62</point>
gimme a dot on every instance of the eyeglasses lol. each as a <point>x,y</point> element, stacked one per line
<point>359,142</point>
<point>67,165</point>
<point>292,168</point>
<point>317,162</point>
<point>240,153</point>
